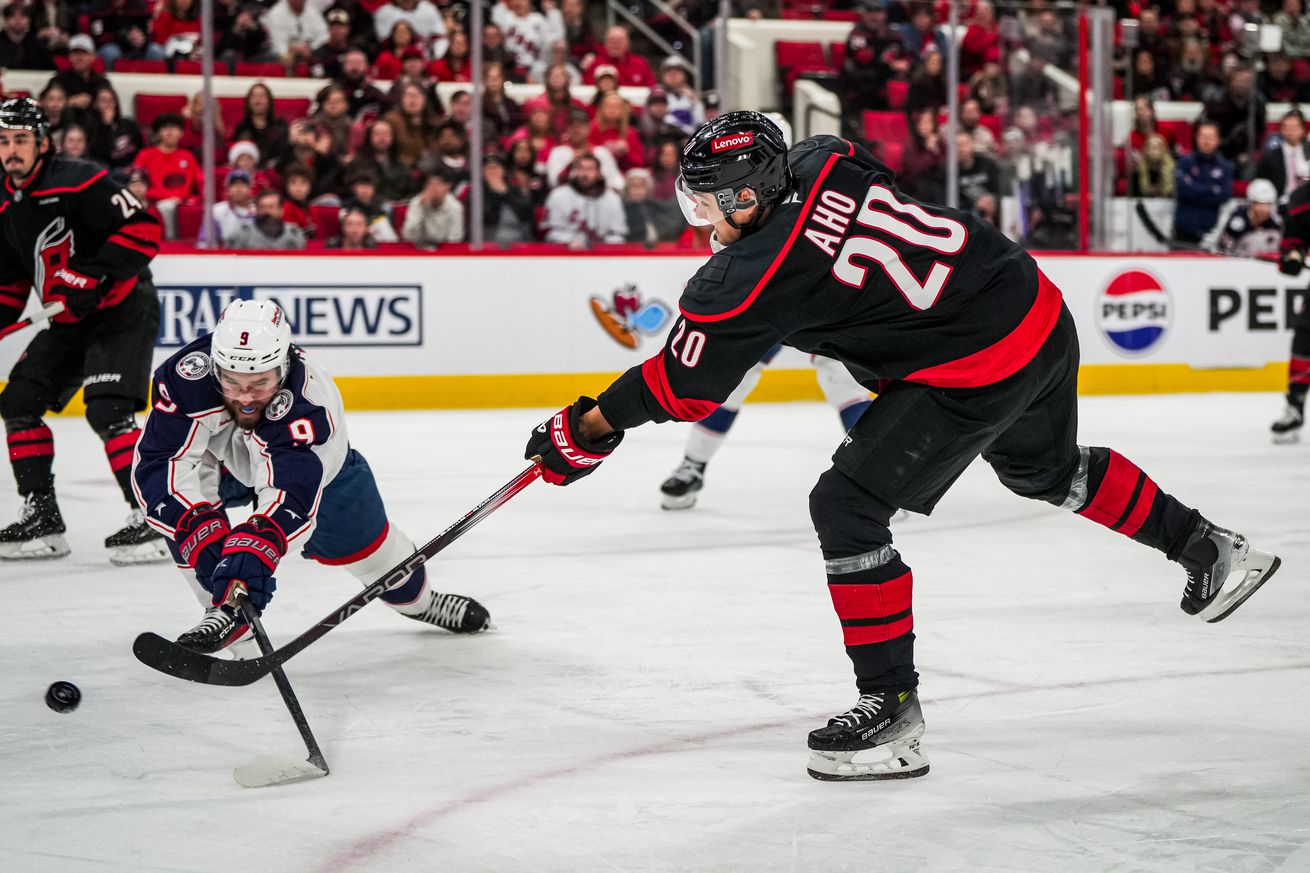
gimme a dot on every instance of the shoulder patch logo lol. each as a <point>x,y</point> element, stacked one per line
<point>731,141</point>
<point>279,406</point>
<point>194,366</point>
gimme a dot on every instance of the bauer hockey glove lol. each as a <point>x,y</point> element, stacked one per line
<point>566,455</point>
<point>250,555</point>
<point>1291,261</point>
<point>200,535</point>
<point>79,292</point>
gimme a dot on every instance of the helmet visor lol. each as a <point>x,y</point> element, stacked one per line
<point>707,208</point>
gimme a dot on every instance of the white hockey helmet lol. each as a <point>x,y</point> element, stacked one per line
<point>1261,191</point>
<point>252,336</point>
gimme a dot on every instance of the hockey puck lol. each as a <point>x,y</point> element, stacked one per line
<point>63,697</point>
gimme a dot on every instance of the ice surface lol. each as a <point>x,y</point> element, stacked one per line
<point>644,705</point>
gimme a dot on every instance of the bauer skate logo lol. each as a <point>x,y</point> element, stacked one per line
<point>279,406</point>
<point>732,141</point>
<point>194,366</point>
<point>1134,312</point>
<point>626,319</point>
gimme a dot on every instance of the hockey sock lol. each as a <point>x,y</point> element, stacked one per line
<point>1123,498</point>
<point>851,414</point>
<point>1298,368</point>
<point>707,434</point>
<point>119,450</point>
<point>410,590</point>
<point>32,455</point>
<point>872,596</point>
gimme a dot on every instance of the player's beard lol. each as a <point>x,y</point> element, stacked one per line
<point>246,420</point>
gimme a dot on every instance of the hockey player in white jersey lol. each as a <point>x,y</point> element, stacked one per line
<point>243,415</point>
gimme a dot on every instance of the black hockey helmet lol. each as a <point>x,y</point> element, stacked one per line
<point>734,151</point>
<point>24,113</point>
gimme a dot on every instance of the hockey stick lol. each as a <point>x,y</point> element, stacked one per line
<point>40,319</point>
<point>1154,231</point>
<point>168,657</point>
<point>261,774</point>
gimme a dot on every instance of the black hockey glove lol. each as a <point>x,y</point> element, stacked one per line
<point>80,293</point>
<point>566,455</point>
<point>1291,261</point>
<point>200,535</point>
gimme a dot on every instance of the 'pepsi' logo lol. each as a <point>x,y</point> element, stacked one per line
<point>733,141</point>
<point>1133,312</point>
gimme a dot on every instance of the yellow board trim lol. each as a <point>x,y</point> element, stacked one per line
<point>777,386</point>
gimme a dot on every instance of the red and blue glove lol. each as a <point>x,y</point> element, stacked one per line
<point>200,535</point>
<point>251,553</point>
<point>566,455</point>
<point>79,292</point>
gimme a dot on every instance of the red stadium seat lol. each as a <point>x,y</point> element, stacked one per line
<point>269,70</point>
<point>841,15</point>
<point>1182,133</point>
<point>886,127</point>
<point>992,123</point>
<point>327,219</point>
<point>291,108</point>
<point>301,71</point>
<point>192,68</point>
<point>837,54</point>
<point>892,153</point>
<point>148,107</point>
<point>188,220</point>
<point>794,58</point>
<point>141,67</point>
<point>897,91</point>
<point>62,65</point>
<point>231,110</point>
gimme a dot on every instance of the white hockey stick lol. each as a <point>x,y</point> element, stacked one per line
<point>38,319</point>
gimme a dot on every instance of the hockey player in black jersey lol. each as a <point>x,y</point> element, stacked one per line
<point>979,354</point>
<point>1291,260</point>
<point>75,238</point>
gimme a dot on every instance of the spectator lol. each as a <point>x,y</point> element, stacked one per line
<point>128,41</point>
<point>493,47</point>
<point>984,141</point>
<point>112,139</point>
<point>325,60</point>
<point>558,55</point>
<point>1146,126</point>
<point>537,132</point>
<point>193,128</point>
<point>501,116</point>
<point>1286,159</point>
<point>1204,180</point>
<point>559,98</point>
<point>333,117</point>
<point>237,209</point>
<point>177,28</point>
<point>920,34</point>
<point>613,130</point>
<point>1146,78</point>
<point>244,155</point>
<point>238,33</point>
<point>298,190</point>
<point>1253,229</point>
<point>434,216</point>
<point>74,143</point>
<point>874,56</point>
<point>586,211</point>
<point>1295,25</point>
<point>979,180</point>
<point>453,151</point>
<point>923,173</point>
<point>1150,36</point>
<point>654,124</point>
<point>527,36</point>
<point>508,213</point>
<point>269,231</point>
<point>1154,175</point>
<point>260,124</point>
<point>413,71</point>
<point>1231,114</point>
<point>649,221</point>
<point>137,182</point>
<point>981,43</point>
<point>414,124</point>
<point>355,235</point>
<point>617,52</point>
<point>1192,78</point>
<point>685,107</point>
<point>80,81</point>
<point>295,30</point>
<point>927,85</point>
<point>522,171</point>
<point>559,163</point>
<point>392,176</point>
<point>664,174</point>
<point>362,96</point>
<point>52,21</point>
<point>1053,42</point>
<point>455,65</point>
<point>173,172</point>
<point>1244,12</point>
<point>20,47</point>
<point>401,39</point>
<point>988,87</point>
<point>311,148</point>
<point>578,35</point>
<point>55,105</point>
<point>421,15</point>
<point>362,188</point>
<point>607,82</point>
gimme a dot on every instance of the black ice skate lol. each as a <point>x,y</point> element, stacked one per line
<point>136,543</point>
<point>877,739</point>
<point>453,612</point>
<point>219,629</point>
<point>680,489</point>
<point>1288,428</point>
<point>39,532</point>
<point>1222,571</point>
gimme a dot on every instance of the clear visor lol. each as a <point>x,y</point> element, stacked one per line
<point>247,386</point>
<point>705,208</point>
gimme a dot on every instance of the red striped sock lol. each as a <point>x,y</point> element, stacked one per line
<point>874,604</point>
<point>1124,497</point>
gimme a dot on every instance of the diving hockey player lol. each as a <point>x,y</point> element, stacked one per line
<point>823,253</point>
<point>245,400</point>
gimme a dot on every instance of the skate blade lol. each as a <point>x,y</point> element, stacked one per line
<point>1287,439</point>
<point>686,501</point>
<point>1259,568</point>
<point>893,761</point>
<point>269,772</point>
<point>151,552</point>
<point>39,549</point>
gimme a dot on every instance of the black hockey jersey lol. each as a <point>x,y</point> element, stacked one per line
<point>849,268</point>
<point>1296,222</point>
<point>69,213</point>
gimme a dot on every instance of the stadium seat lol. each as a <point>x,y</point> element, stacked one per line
<point>147,107</point>
<point>992,123</point>
<point>794,58</point>
<point>141,66</point>
<point>897,91</point>
<point>231,110</point>
<point>886,126</point>
<point>192,68</point>
<point>841,15</point>
<point>269,70</point>
<point>63,66</point>
<point>327,219</point>
<point>892,153</point>
<point>291,108</point>
<point>1182,133</point>
<point>188,220</point>
<point>837,54</point>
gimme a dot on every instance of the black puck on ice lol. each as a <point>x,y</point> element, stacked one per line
<point>63,697</point>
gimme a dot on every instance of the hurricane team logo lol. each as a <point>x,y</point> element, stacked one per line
<point>1134,312</point>
<point>626,319</point>
<point>194,366</point>
<point>279,406</point>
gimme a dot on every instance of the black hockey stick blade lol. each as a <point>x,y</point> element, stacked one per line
<point>168,657</point>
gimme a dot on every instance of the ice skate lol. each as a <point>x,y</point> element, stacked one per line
<point>136,543</point>
<point>453,612</point>
<point>39,532</point>
<point>1222,571</point>
<point>219,629</point>
<point>877,739</point>
<point>1288,428</point>
<point>679,491</point>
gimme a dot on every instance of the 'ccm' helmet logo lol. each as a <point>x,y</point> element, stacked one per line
<point>735,141</point>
